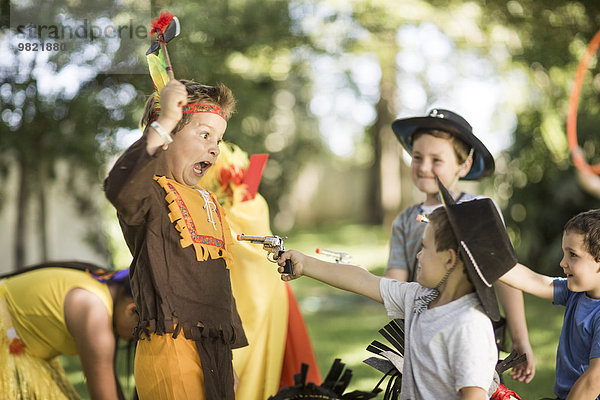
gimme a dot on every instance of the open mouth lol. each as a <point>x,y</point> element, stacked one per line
<point>201,167</point>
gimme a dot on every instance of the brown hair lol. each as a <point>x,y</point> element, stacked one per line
<point>442,230</point>
<point>461,149</point>
<point>219,95</point>
<point>587,224</point>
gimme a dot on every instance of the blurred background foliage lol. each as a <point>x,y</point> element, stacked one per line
<point>272,53</point>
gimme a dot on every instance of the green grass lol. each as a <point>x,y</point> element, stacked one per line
<point>342,324</point>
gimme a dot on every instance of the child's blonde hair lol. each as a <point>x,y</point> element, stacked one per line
<point>461,149</point>
<point>219,95</point>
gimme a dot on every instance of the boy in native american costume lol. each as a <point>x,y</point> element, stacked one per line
<point>181,244</point>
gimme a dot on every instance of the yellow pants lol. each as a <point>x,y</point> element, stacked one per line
<point>168,369</point>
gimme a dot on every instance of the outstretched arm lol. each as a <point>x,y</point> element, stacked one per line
<point>347,277</point>
<point>91,326</point>
<point>521,277</point>
<point>588,384</point>
<point>512,303</point>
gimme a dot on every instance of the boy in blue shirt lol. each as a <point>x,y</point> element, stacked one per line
<point>578,354</point>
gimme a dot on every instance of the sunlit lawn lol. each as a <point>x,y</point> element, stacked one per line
<point>341,324</point>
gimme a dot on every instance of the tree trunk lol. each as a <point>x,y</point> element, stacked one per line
<point>388,170</point>
<point>42,223</point>
<point>21,222</point>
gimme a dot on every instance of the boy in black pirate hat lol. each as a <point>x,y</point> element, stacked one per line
<point>442,145</point>
<point>450,351</point>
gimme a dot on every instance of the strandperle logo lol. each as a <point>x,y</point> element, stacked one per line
<point>110,35</point>
<point>82,30</point>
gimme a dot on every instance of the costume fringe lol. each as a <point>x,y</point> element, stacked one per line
<point>204,244</point>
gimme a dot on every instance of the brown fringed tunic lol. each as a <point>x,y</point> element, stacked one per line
<point>180,268</point>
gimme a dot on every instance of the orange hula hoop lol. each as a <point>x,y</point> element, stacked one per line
<point>576,151</point>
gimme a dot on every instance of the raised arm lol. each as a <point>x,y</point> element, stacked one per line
<point>90,324</point>
<point>343,276</point>
<point>128,183</point>
<point>521,277</point>
<point>172,98</point>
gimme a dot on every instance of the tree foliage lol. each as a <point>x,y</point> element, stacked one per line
<point>536,179</point>
<point>46,127</point>
<point>266,52</point>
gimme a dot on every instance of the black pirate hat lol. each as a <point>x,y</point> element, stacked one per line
<point>448,121</point>
<point>483,242</point>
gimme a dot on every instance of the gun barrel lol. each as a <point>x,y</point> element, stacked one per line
<point>338,255</point>
<point>257,239</point>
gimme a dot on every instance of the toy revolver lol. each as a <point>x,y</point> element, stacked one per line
<point>273,245</point>
<point>338,256</point>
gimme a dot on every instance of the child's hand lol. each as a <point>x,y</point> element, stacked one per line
<point>172,98</point>
<point>525,371</point>
<point>297,260</point>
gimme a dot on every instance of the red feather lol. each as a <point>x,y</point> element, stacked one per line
<point>161,23</point>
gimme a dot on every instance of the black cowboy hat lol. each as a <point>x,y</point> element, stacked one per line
<point>448,121</point>
<point>483,242</point>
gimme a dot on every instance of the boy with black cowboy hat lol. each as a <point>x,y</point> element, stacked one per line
<point>450,351</point>
<point>442,144</point>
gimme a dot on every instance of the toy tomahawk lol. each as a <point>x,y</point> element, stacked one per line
<point>166,27</point>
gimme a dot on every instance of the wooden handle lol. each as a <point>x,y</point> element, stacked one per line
<point>163,47</point>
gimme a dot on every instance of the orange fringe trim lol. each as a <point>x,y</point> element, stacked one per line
<point>203,226</point>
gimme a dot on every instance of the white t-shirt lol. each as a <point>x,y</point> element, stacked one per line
<point>446,348</point>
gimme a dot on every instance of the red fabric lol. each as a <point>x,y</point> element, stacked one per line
<point>298,349</point>
<point>254,173</point>
<point>159,24</point>
<point>16,346</point>
<point>231,174</point>
<point>504,393</point>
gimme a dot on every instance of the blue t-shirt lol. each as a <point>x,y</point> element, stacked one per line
<point>580,336</point>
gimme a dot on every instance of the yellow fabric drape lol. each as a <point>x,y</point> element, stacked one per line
<point>262,303</point>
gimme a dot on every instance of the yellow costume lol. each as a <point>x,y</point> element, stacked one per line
<point>33,331</point>
<point>261,296</point>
